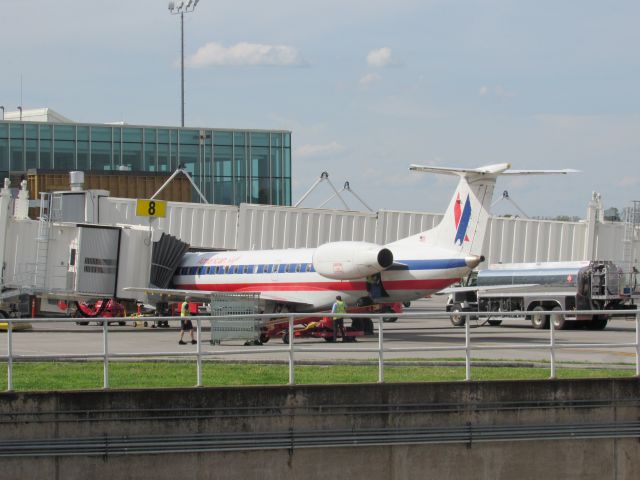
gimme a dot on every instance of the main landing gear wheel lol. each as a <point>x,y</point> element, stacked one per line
<point>539,319</point>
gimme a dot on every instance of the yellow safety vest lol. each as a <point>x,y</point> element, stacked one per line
<point>184,310</point>
<point>340,308</point>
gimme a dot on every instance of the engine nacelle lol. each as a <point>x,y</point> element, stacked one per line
<point>351,260</point>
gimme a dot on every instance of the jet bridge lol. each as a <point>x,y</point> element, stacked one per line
<point>54,257</point>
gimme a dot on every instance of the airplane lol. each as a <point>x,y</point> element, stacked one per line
<point>363,273</point>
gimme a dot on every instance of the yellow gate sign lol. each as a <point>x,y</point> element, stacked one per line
<point>151,208</point>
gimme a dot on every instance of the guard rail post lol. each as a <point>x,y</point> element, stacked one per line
<point>198,353</point>
<point>467,346</point>
<point>105,348</point>
<point>552,351</point>
<point>380,351</point>
<point>10,356</point>
<point>637,343</point>
<point>292,378</point>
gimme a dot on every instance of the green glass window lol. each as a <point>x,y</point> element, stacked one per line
<point>64,154</point>
<point>45,132</point>
<point>150,135</point>
<point>260,162</point>
<point>287,139</point>
<point>163,135</point>
<point>222,138</point>
<point>150,164</point>
<point>132,155</point>
<point>276,161</point>
<point>101,156</point>
<point>241,191</point>
<point>189,158</point>
<point>189,137</point>
<point>239,138</point>
<point>260,190</point>
<point>17,155</point>
<point>101,134</point>
<point>31,132</point>
<point>16,132</point>
<point>240,159</point>
<point>287,163</point>
<point>276,191</point>
<point>287,191</point>
<point>222,161</point>
<point>64,132</point>
<point>4,130</point>
<point>163,157</point>
<point>83,155</point>
<point>259,139</point>
<point>117,135</point>
<point>4,155</point>
<point>31,154</point>
<point>82,133</point>
<point>132,135</point>
<point>223,190</point>
<point>276,139</point>
<point>45,152</point>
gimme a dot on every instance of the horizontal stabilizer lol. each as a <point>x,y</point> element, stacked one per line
<point>487,170</point>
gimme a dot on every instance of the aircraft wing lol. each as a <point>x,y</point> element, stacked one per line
<point>175,294</point>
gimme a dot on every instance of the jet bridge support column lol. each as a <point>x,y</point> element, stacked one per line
<point>5,213</point>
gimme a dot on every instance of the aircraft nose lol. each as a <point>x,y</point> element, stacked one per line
<point>473,260</point>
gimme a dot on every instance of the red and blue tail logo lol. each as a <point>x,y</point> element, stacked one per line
<point>461,218</point>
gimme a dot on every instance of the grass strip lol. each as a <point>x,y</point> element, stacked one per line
<point>41,376</point>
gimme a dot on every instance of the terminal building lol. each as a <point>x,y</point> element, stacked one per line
<point>229,166</point>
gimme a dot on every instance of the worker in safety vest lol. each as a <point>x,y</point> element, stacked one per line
<point>338,322</point>
<point>185,322</point>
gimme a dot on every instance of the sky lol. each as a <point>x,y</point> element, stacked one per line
<point>366,87</point>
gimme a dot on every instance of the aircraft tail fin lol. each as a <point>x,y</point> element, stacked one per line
<point>464,224</point>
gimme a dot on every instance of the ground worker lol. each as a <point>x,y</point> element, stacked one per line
<point>185,322</point>
<point>338,322</point>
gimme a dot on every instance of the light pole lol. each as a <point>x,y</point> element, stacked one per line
<point>20,110</point>
<point>2,107</point>
<point>181,7</point>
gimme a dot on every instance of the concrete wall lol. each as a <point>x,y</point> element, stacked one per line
<point>587,429</point>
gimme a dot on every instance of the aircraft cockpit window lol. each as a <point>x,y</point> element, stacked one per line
<point>281,268</point>
<point>248,268</point>
<point>193,270</point>
<point>307,267</point>
<point>286,269</point>
<point>298,267</point>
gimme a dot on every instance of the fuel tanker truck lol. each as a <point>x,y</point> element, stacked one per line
<point>539,289</point>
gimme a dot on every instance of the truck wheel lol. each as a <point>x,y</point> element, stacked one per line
<point>285,338</point>
<point>599,322</point>
<point>559,322</point>
<point>389,319</point>
<point>457,319</point>
<point>495,323</point>
<point>539,320</point>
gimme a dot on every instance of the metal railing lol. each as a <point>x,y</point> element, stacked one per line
<point>291,348</point>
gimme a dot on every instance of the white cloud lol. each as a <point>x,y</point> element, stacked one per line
<point>369,79</point>
<point>380,58</point>
<point>245,54</point>
<point>497,91</point>
<point>318,150</point>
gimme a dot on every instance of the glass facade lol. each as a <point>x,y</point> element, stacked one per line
<point>228,166</point>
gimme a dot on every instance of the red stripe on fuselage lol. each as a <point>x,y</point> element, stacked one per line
<point>389,285</point>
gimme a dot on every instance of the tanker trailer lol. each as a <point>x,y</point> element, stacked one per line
<point>539,289</point>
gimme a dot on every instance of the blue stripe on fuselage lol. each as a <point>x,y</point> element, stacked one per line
<point>429,264</point>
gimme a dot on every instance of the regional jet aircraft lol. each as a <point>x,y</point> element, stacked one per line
<point>304,280</point>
